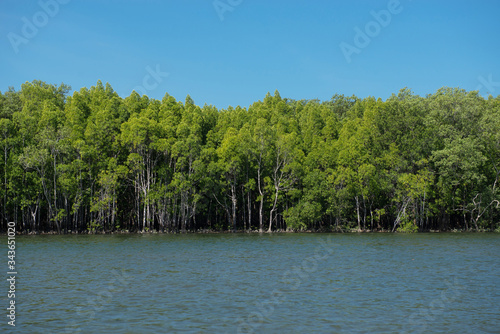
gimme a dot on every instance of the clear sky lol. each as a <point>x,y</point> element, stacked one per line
<point>232,52</point>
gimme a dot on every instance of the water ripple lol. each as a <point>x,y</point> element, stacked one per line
<point>373,283</point>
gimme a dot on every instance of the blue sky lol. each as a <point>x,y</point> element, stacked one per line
<point>232,52</point>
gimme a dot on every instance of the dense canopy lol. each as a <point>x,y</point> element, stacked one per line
<point>97,162</point>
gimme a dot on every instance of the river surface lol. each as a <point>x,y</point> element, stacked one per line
<point>250,283</point>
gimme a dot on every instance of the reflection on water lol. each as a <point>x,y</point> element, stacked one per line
<point>277,283</point>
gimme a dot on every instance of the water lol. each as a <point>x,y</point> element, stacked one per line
<point>278,283</point>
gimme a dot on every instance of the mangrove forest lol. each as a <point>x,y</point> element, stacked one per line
<point>94,162</point>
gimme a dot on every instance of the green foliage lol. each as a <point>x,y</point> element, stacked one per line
<point>97,162</point>
<point>407,226</point>
<point>303,215</point>
<point>94,227</point>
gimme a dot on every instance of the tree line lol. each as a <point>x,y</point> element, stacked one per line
<point>96,162</point>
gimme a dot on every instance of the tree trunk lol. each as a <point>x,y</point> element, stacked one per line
<point>249,211</point>
<point>233,202</point>
<point>273,209</point>
<point>261,208</point>
<point>357,211</point>
<point>55,198</point>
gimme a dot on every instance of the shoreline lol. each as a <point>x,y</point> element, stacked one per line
<point>350,231</point>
